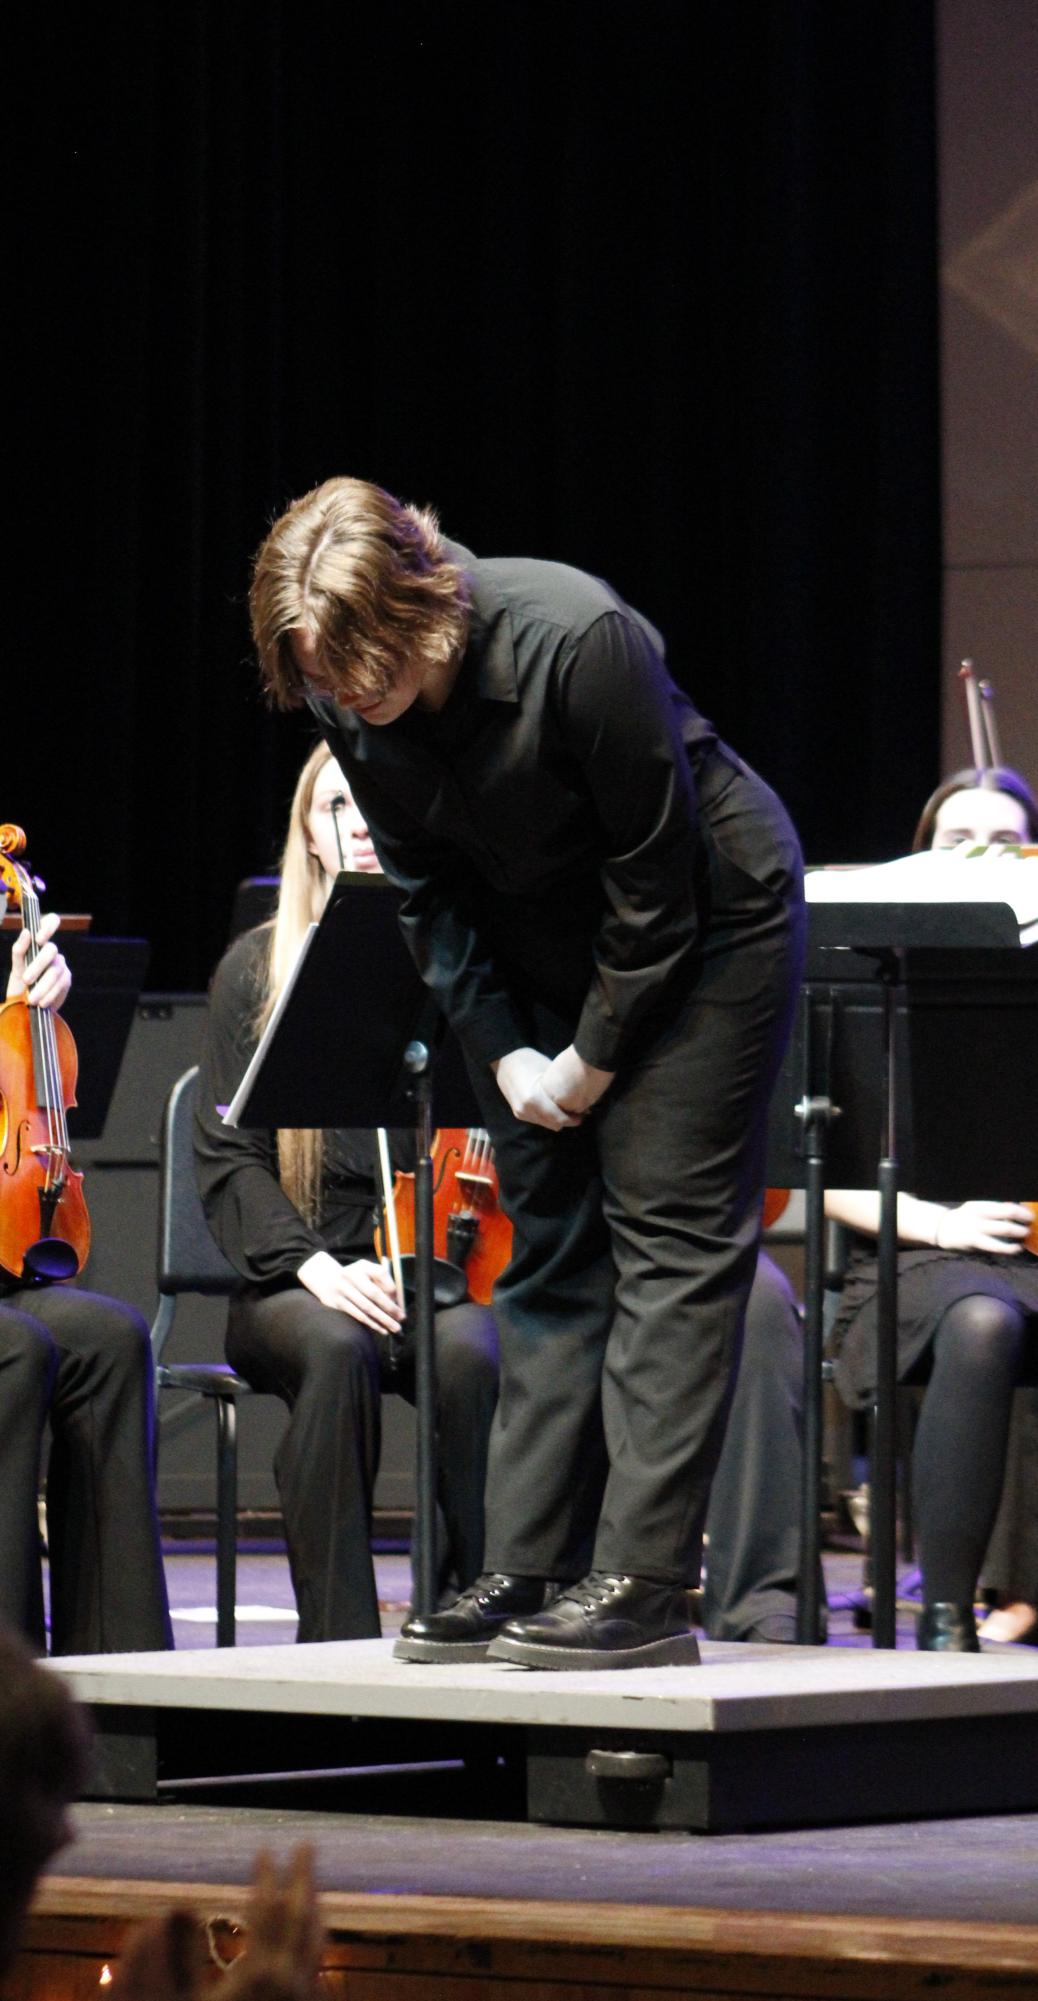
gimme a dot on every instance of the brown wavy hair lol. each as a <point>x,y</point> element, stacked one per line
<point>367,578</point>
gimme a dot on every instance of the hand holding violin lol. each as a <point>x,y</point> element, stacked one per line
<point>984,1226</point>
<point>45,979</point>
<point>362,1289</point>
<point>1001,1227</point>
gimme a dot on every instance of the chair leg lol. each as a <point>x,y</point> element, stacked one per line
<point>226,1519</point>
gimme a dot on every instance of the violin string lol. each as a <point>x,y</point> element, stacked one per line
<point>32,918</point>
<point>57,1127</point>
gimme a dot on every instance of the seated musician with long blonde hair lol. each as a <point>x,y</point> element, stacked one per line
<point>293,1212</point>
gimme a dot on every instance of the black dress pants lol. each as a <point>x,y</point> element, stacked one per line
<point>84,1362</point>
<point>331,1371</point>
<point>636,1233</point>
<point>753,1523</point>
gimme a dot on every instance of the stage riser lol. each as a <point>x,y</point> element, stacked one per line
<point>140,1754</point>
<point>711,1783</point>
<point>793,1778</point>
<point>753,1737</point>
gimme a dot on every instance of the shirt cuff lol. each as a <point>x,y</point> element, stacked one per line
<point>493,1034</point>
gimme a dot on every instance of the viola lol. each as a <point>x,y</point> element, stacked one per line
<point>470,1230</point>
<point>44,1224</point>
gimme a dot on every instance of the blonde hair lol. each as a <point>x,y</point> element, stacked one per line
<point>301,900</point>
<point>367,579</point>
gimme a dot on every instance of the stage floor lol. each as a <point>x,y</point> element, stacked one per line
<point>474,1902</point>
<point>961,1870</point>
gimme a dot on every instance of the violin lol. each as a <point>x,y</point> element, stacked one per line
<point>44,1224</point>
<point>470,1230</point>
<point>776,1201</point>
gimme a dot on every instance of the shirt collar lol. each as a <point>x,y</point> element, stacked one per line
<point>489,649</point>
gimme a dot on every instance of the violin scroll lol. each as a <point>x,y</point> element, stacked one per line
<point>12,842</point>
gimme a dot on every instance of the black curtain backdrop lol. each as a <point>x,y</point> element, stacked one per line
<point>643,285</point>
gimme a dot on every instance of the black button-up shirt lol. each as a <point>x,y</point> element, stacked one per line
<point>545,819</point>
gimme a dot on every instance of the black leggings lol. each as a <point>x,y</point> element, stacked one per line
<point>958,1464</point>
<point>331,1371</point>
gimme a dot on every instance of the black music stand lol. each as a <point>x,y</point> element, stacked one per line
<point>356,1040</point>
<point>895,1070</point>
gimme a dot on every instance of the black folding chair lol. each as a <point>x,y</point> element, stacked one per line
<point>190,1260</point>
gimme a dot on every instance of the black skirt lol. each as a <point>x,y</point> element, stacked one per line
<point>929,1282</point>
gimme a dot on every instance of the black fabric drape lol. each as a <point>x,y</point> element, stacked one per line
<point>648,288</point>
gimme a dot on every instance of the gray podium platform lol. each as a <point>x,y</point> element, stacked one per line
<point>755,1737</point>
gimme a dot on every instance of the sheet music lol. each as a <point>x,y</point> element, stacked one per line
<point>237,1104</point>
<point>945,875</point>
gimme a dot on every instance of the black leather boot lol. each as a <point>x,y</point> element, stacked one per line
<point>947,1629</point>
<point>464,1631</point>
<point>607,1621</point>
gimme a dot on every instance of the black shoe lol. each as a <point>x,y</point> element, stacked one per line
<point>464,1631</point>
<point>606,1621</point>
<point>947,1629</point>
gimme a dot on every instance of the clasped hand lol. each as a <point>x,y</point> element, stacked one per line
<point>554,1091</point>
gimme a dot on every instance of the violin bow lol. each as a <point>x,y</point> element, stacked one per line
<point>987,696</point>
<point>385,1175</point>
<point>980,710</point>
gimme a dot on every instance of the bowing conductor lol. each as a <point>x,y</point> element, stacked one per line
<point>607,903</point>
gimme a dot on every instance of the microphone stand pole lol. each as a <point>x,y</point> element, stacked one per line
<point>425,1584</point>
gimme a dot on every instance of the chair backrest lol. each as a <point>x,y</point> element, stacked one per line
<point>190,1259</point>
<point>837,1245</point>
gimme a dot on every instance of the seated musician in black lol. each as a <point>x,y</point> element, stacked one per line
<point>968,1326</point>
<point>753,1522</point>
<point>293,1212</point>
<point>83,1362</point>
<point>967,1303</point>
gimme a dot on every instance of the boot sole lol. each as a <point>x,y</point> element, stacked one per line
<point>440,1650</point>
<point>680,1650</point>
